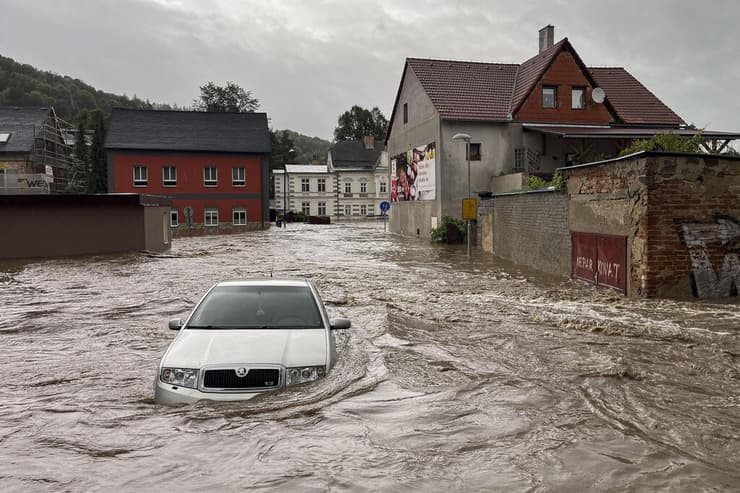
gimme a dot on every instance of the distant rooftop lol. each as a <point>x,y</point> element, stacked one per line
<point>188,131</point>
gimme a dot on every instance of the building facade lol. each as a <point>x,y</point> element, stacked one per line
<point>519,120</point>
<point>213,165</point>
<point>350,186</point>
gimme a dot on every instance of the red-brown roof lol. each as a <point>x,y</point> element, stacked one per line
<point>467,90</point>
<point>531,71</point>
<point>493,91</point>
<point>632,101</point>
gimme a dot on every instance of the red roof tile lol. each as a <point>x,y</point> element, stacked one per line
<point>467,90</point>
<point>493,91</point>
<point>632,101</point>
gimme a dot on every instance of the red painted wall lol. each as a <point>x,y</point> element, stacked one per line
<point>190,182</point>
<point>565,74</point>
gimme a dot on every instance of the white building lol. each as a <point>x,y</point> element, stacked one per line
<point>351,186</point>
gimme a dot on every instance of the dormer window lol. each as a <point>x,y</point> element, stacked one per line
<point>4,137</point>
<point>549,96</point>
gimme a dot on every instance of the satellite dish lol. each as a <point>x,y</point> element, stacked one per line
<point>598,95</point>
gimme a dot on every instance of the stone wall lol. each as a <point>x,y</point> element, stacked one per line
<point>530,228</point>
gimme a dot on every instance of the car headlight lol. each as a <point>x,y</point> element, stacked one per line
<point>304,374</point>
<point>181,377</point>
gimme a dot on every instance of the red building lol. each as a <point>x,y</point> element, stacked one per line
<point>213,165</point>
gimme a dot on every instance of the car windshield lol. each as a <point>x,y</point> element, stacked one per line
<point>249,307</point>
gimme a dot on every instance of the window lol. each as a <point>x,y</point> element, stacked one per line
<point>240,216</point>
<point>305,186</point>
<point>405,112</point>
<point>322,184</point>
<point>347,210</point>
<point>210,176</point>
<point>4,137</point>
<point>474,151</point>
<point>238,177</point>
<point>363,187</point>
<point>140,176</point>
<point>363,210</point>
<point>578,98</point>
<point>549,97</point>
<point>322,209</point>
<point>306,208</point>
<point>169,176</point>
<point>174,220</point>
<point>383,187</point>
<point>347,187</point>
<point>210,216</point>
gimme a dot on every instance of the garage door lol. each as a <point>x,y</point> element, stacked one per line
<point>600,259</point>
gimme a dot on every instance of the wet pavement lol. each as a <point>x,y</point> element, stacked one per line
<point>457,375</point>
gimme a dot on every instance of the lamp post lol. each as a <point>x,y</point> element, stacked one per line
<point>466,138</point>
<point>285,188</point>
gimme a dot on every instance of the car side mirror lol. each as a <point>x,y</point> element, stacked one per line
<point>340,323</point>
<point>176,324</point>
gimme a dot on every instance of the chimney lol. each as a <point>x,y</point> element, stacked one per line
<point>547,37</point>
<point>369,142</point>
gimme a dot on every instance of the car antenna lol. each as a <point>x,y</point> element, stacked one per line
<point>273,267</point>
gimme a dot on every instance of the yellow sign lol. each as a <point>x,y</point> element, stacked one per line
<point>470,209</point>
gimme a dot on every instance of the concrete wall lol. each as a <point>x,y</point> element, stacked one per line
<point>529,228</point>
<point>680,214</point>
<point>64,225</point>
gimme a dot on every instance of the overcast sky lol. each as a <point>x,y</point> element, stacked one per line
<point>308,61</point>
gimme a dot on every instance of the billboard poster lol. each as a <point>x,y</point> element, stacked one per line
<point>413,174</point>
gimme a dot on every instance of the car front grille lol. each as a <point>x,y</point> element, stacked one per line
<point>228,379</point>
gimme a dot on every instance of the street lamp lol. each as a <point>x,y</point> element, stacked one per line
<point>466,138</point>
<point>285,187</point>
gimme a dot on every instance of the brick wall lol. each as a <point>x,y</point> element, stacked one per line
<point>680,214</point>
<point>693,226</point>
<point>531,229</point>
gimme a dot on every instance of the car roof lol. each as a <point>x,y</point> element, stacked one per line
<point>268,281</point>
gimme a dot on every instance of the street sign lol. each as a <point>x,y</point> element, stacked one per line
<point>385,205</point>
<point>470,209</point>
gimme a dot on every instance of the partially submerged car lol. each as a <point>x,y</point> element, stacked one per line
<point>246,337</point>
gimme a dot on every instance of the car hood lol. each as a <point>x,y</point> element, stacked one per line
<point>195,348</point>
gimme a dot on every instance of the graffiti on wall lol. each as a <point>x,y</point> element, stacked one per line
<point>700,239</point>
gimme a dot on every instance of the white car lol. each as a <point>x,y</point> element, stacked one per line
<point>246,337</point>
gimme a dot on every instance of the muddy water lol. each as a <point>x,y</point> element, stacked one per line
<point>457,376</point>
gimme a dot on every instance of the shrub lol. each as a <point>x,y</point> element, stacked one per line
<point>440,234</point>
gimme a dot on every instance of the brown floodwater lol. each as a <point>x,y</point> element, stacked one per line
<point>457,375</point>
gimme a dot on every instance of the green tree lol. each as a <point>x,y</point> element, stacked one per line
<point>282,143</point>
<point>98,169</point>
<point>667,142</point>
<point>230,98</point>
<point>359,122</point>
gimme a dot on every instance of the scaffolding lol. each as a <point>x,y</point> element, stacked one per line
<point>50,168</point>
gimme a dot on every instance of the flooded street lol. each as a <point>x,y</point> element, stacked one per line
<point>457,375</point>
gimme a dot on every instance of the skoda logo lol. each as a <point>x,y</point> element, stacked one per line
<point>241,372</point>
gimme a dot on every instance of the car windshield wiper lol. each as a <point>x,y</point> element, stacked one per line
<point>208,327</point>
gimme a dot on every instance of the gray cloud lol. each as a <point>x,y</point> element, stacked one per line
<point>307,62</point>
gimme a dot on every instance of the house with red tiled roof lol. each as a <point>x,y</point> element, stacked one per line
<point>516,120</point>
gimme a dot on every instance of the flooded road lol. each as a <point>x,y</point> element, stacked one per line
<point>456,376</point>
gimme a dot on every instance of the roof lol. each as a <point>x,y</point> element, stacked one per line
<point>23,124</point>
<point>352,154</point>
<point>188,131</point>
<point>303,168</point>
<point>632,101</point>
<point>628,132</point>
<point>467,90</point>
<point>531,71</point>
<point>481,91</point>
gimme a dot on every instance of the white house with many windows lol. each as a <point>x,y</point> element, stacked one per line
<point>351,185</point>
